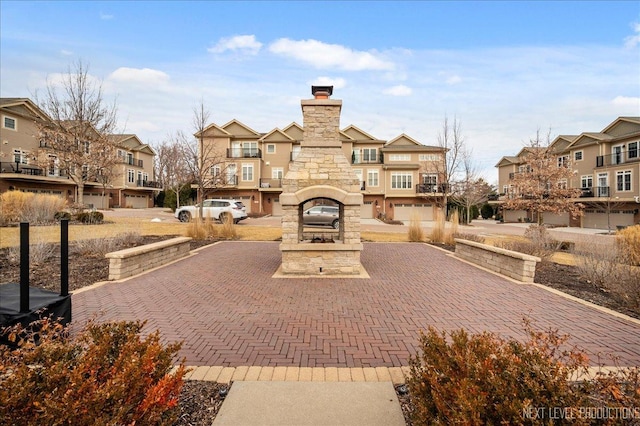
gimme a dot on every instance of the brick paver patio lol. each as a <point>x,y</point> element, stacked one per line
<point>224,305</point>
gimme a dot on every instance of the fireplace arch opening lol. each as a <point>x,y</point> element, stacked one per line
<point>321,220</point>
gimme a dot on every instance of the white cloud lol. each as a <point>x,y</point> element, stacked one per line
<point>145,76</point>
<point>66,52</point>
<point>240,43</point>
<point>626,101</point>
<point>323,55</point>
<point>454,79</point>
<point>633,40</point>
<point>337,83</point>
<point>106,16</point>
<point>399,90</point>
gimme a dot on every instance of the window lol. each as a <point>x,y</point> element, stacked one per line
<point>577,156</point>
<point>277,173</point>
<point>562,184</point>
<point>250,149</point>
<point>52,170</point>
<point>633,150</point>
<point>295,151</point>
<point>524,169</point>
<point>247,172</point>
<point>358,173</point>
<point>401,180</point>
<point>9,123</point>
<point>586,181</point>
<point>20,156</point>
<point>603,184</point>
<point>563,161</point>
<point>271,148</point>
<point>372,178</point>
<point>617,154</point>
<point>430,157</point>
<point>131,176</point>
<point>86,147</point>
<point>400,157</point>
<point>369,155</point>
<point>215,170</point>
<point>623,180</point>
<point>145,177</point>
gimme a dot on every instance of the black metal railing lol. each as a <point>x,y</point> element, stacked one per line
<point>358,159</point>
<point>148,184</point>
<point>244,153</point>
<point>363,185</point>
<point>431,188</point>
<point>270,183</point>
<point>621,157</point>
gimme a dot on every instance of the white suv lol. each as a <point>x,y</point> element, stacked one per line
<point>215,209</point>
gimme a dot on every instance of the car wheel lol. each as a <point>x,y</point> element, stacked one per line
<point>335,224</point>
<point>184,216</point>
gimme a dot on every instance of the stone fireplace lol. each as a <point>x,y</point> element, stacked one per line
<point>321,173</point>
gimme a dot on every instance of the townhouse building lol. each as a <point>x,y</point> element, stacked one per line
<point>606,168</point>
<point>398,176</point>
<point>22,167</point>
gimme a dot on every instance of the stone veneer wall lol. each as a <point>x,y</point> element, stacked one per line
<point>519,266</point>
<point>128,262</point>
<point>321,170</point>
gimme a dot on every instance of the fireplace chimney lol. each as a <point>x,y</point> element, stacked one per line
<point>321,92</point>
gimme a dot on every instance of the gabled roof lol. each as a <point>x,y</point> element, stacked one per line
<point>588,138</point>
<point>213,130</point>
<point>561,143</point>
<point>131,142</point>
<point>620,120</point>
<point>407,143</point>
<point>358,135</point>
<point>240,130</point>
<point>508,160</point>
<point>276,135</point>
<point>24,107</point>
<point>294,131</point>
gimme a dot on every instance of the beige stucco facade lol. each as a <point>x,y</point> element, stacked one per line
<point>606,167</point>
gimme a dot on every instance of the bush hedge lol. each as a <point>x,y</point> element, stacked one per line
<point>107,375</point>
<point>90,217</point>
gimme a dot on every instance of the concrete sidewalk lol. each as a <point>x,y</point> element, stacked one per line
<point>311,403</point>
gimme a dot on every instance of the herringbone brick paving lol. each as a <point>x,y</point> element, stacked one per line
<point>225,307</point>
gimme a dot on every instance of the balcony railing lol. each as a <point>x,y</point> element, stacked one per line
<point>430,188</point>
<point>363,185</point>
<point>621,157</point>
<point>270,183</point>
<point>27,169</point>
<point>244,153</point>
<point>358,159</point>
<point>148,184</point>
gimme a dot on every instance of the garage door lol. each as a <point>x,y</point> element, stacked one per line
<point>277,207</point>
<point>94,200</point>
<point>597,219</point>
<point>366,211</point>
<point>514,215</point>
<point>560,219</point>
<point>404,211</point>
<point>136,201</point>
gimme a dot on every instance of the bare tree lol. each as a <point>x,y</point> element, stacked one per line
<point>170,167</point>
<point>471,189</point>
<point>105,159</point>
<point>205,161</point>
<point>78,136</point>
<point>543,184</point>
<point>451,140</point>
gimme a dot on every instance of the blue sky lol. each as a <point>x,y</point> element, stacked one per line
<point>504,69</point>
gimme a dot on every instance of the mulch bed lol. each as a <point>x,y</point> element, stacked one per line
<point>199,400</point>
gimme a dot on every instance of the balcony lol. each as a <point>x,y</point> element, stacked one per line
<point>132,162</point>
<point>621,157</point>
<point>358,158</point>
<point>270,183</point>
<point>244,153</point>
<point>430,188</point>
<point>30,170</point>
<point>148,184</point>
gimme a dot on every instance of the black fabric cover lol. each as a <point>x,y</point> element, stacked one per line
<point>42,303</point>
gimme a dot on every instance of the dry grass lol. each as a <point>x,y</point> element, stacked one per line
<point>628,241</point>
<point>18,206</point>
<point>415,233</point>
